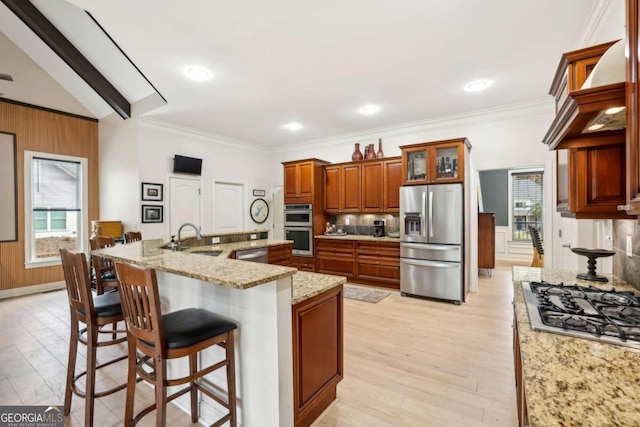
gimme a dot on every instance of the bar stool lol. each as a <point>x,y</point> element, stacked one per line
<point>94,313</point>
<point>104,273</point>
<point>164,337</point>
<point>132,236</point>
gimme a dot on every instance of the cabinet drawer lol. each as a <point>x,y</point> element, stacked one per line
<point>382,249</point>
<point>280,254</point>
<point>335,265</point>
<point>379,272</point>
<point>334,246</point>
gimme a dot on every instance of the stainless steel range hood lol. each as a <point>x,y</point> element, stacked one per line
<point>597,109</point>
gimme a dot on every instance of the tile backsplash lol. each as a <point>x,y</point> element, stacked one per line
<point>362,224</point>
<point>625,267</point>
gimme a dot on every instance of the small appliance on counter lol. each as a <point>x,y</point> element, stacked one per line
<point>378,228</point>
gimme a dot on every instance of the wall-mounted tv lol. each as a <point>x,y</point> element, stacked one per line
<point>188,165</point>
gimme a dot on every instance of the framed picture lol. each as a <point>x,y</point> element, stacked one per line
<point>259,193</point>
<point>151,213</point>
<point>151,192</point>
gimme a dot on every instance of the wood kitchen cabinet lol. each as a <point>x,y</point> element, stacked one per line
<point>591,170</point>
<point>303,181</point>
<point>317,325</point>
<point>632,205</point>
<point>381,182</point>
<point>281,255</point>
<point>378,263</point>
<point>342,188</point>
<point>336,257</point>
<point>304,263</point>
<point>487,241</point>
<point>434,162</point>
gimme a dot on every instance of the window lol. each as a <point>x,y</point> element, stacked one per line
<point>55,206</point>
<point>526,202</point>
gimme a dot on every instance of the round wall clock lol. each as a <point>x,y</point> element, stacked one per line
<point>259,211</point>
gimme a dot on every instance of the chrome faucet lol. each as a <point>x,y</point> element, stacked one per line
<point>198,235</point>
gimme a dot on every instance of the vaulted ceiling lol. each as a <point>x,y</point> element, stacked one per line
<point>315,63</point>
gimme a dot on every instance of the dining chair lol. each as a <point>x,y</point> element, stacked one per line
<point>132,236</point>
<point>155,338</point>
<point>89,317</point>
<point>104,274</point>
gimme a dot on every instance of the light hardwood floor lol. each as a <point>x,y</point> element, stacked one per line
<point>408,362</point>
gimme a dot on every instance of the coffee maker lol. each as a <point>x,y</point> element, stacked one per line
<point>378,228</point>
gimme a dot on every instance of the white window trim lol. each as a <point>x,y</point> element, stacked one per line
<point>29,231</point>
<point>510,190</point>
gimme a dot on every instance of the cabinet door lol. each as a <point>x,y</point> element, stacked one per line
<point>415,165</point>
<point>290,183</point>
<point>332,189</point>
<point>280,255</point>
<point>372,179</point>
<point>305,179</point>
<point>391,183</point>
<point>446,163</point>
<point>350,188</point>
<point>633,109</point>
<point>600,188</point>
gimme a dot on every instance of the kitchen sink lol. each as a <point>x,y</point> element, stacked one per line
<point>208,253</point>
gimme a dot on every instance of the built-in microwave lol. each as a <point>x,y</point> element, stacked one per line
<point>298,215</point>
<point>302,238</point>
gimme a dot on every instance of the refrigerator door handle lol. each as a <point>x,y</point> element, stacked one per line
<point>430,213</point>
<point>423,225</point>
<point>422,246</point>
<point>430,263</point>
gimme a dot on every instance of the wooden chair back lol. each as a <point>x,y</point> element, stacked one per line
<point>140,301</point>
<point>132,236</point>
<point>102,267</point>
<point>76,277</point>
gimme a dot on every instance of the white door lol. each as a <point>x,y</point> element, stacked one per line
<point>228,206</point>
<point>184,204</point>
<point>277,206</point>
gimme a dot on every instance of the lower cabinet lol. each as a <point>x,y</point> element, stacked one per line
<point>304,263</point>
<point>378,263</point>
<point>281,255</point>
<point>317,353</point>
<point>336,257</point>
<point>521,397</point>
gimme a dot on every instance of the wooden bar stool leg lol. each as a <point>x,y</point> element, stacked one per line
<point>90,386</point>
<point>131,384</point>
<point>231,377</point>
<point>161,391</point>
<point>193,368</point>
<point>71,366</point>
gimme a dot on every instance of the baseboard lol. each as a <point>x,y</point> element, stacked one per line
<point>35,289</point>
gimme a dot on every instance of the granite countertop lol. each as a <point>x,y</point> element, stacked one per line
<point>358,237</point>
<point>575,381</point>
<point>224,271</point>
<point>307,285</point>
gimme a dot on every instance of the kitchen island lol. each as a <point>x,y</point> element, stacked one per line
<point>261,299</point>
<point>566,381</point>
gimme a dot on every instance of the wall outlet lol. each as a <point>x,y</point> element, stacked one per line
<point>253,236</point>
<point>215,240</point>
<point>346,221</point>
<point>629,246</point>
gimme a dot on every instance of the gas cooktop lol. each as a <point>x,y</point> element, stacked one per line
<point>584,311</point>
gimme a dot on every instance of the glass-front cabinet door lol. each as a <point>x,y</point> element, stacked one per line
<point>415,165</point>
<point>447,162</point>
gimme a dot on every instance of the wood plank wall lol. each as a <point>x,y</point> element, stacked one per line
<point>45,131</point>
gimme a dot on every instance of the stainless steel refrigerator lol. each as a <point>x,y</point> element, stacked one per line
<point>431,241</point>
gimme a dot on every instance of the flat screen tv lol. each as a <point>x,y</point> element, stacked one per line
<point>188,165</point>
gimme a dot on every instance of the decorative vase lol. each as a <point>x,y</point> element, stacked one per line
<point>357,155</point>
<point>371,152</point>
<point>380,154</point>
<point>367,154</point>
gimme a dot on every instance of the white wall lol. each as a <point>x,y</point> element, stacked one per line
<point>222,161</point>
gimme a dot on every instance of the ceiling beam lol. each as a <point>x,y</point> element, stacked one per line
<point>43,28</point>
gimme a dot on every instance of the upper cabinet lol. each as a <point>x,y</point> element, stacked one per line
<point>632,205</point>
<point>434,162</point>
<point>588,133</point>
<point>342,188</point>
<point>303,181</point>
<point>381,182</point>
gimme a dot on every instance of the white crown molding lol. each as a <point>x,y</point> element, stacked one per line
<point>456,120</point>
<point>165,127</point>
<point>598,11</point>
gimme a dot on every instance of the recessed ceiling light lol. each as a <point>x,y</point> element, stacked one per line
<point>477,86</point>
<point>368,110</point>
<point>614,110</point>
<point>198,73</point>
<point>596,126</point>
<point>293,126</point>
